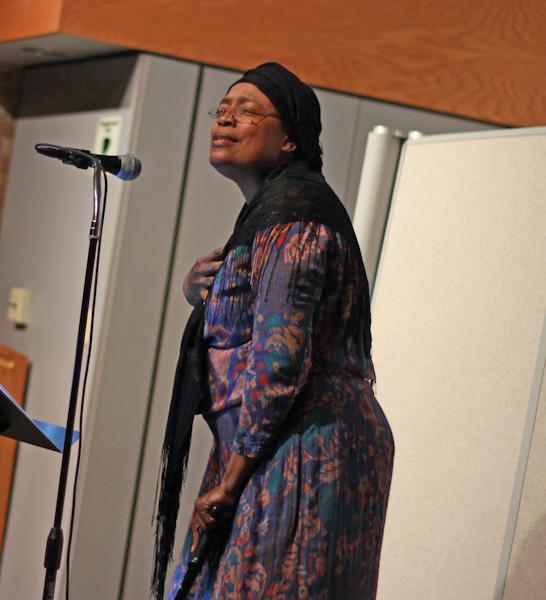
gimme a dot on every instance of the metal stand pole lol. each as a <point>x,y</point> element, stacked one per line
<point>54,546</point>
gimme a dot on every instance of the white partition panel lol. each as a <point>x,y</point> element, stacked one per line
<point>210,206</point>
<point>457,315</point>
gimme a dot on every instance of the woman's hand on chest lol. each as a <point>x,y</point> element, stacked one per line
<point>200,277</point>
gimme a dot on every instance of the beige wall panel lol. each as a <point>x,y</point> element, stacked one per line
<point>457,317</point>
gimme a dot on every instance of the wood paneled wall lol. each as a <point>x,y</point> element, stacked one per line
<point>484,60</point>
<point>28,18</point>
<point>7,128</point>
<point>14,369</point>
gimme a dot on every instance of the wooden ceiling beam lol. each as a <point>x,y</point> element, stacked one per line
<point>21,19</point>
<point>483,60</point>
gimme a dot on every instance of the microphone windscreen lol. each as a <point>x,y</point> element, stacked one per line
<point>130,167</point>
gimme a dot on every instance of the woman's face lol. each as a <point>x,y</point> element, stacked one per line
<point>247,149</point>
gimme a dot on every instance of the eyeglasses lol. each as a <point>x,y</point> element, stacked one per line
<point>240,114</point>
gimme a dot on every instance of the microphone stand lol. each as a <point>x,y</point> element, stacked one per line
<point>54,546</point>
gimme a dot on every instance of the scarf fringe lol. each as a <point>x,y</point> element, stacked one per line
<point>167,514</point>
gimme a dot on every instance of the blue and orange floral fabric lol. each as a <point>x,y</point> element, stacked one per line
<point>309,522</point>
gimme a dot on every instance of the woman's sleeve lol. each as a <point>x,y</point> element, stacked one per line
<point>287,279</point>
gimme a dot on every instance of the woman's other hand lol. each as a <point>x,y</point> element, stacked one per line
<point>200,277</point>
<point>202,519</point>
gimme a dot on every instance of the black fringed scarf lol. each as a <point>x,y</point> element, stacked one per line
<point>291,193</point>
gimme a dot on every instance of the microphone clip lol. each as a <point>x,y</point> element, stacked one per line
<point>81,159</point>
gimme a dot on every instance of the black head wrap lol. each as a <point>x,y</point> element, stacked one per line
<point>297,106</point>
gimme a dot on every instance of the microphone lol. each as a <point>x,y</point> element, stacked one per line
<point>125,166</point>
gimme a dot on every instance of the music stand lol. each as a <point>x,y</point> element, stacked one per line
<point>16,424</point>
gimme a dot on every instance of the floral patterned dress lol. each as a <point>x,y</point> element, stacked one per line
<point>309,522</point>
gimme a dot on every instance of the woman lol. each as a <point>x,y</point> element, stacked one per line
<point>280,344</point>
